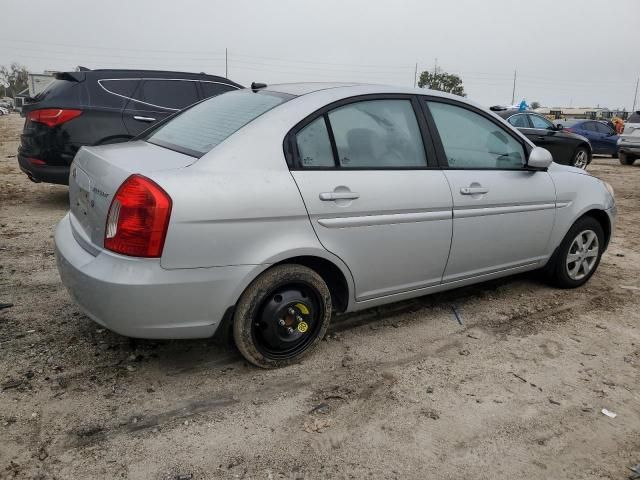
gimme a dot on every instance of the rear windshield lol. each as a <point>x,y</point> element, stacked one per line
<point>54,89</point>
<point>200,128</point>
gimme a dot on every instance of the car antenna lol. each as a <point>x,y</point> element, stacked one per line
<point>255,86</point>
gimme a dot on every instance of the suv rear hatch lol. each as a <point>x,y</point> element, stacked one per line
<point>59,102</point>
<point>98,172</point>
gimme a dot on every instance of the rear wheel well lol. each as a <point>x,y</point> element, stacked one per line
<point>603,219</point>
<point>332,276</point>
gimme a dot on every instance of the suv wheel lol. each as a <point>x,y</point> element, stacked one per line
<point>579,254</point>
<point>281,316</point>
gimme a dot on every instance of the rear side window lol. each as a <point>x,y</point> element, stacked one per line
<point>377,134</point>
<point>200,128</point>
<point>169,94</point>
<point>519,121</point>
<point>602,128</point>
<point>211,89</point>
<point>472,141</point>
<point>314,145</point>
<point>540,122</point>
<point>588,126</point>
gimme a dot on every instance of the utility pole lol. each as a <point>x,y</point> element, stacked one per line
<point>415,76</point>
<point>226,64</point>
<point>635,95</point>
<point>513,93</point>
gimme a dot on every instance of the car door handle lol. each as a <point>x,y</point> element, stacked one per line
<point>473,190</point>
<point>330,196</point>
<point>144,119</point>
<point>542,137</point>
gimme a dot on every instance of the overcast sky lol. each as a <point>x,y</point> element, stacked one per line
<point>569,52</point>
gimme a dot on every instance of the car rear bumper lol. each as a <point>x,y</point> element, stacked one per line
<point>633,149</point>
<point>44,173</point>
<point>136,297</point>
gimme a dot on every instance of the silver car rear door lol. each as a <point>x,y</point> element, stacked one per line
<point>503,213</point>
<point>375,196</point>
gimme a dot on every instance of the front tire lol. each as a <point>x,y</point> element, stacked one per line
<point>625,159</point>
<point>578,255</point>
<point>580,158</point>
<point>282,316</point>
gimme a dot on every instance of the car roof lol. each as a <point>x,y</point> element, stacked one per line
<point>508,112</point>
<point>514,111</point>
<point>572,121</point>
<point>346,90</point>
<point>298,89</point>
<point>137,73</point>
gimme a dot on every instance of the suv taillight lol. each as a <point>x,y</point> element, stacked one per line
<point>53,116</point>
<point>138,218</point>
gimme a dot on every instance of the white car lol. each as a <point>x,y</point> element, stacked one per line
<point>4,111</point>
<point>629,141</point>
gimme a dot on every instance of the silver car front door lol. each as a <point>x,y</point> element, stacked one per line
<point>503,213</point>
<point>372,197</point>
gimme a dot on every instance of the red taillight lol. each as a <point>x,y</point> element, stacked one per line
<point>567,129</point>
<point>138,218</point>
<point>53,116</point>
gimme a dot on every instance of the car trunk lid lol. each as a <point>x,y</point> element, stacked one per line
<point>98,172</point>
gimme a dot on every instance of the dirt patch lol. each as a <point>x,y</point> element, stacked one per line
<point>510,387</point>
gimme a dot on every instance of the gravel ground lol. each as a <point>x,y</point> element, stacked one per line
<point>400,392</point>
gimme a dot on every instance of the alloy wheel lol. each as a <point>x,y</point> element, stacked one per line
<point>581,160</point>
<point>582,255</point>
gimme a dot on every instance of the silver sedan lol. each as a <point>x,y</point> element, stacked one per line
<point>265,210</point>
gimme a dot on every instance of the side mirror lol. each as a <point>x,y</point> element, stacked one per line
<point>559,126</point>
<point>539,159</point>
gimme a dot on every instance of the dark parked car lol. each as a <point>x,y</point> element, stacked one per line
<point>97,107</point>
<point>603,138</point>
<point>565,147</point>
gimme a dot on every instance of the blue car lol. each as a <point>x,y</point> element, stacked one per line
<point>603,138</point>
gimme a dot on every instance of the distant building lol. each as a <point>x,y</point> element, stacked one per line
<point>593,113</point>
<point>37,82</point>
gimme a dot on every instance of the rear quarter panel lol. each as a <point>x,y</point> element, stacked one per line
<point>239,205</point>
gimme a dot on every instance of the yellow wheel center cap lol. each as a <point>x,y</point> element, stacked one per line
<point>303,327</point>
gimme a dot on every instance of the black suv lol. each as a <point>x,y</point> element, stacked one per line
<point>97,107</point>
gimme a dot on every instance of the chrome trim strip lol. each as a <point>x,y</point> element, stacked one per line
<point>145,78</point>
<point>388,219</point>
<point>484,211</point>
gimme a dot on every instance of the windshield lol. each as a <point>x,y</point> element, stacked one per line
<point>200,128</point>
